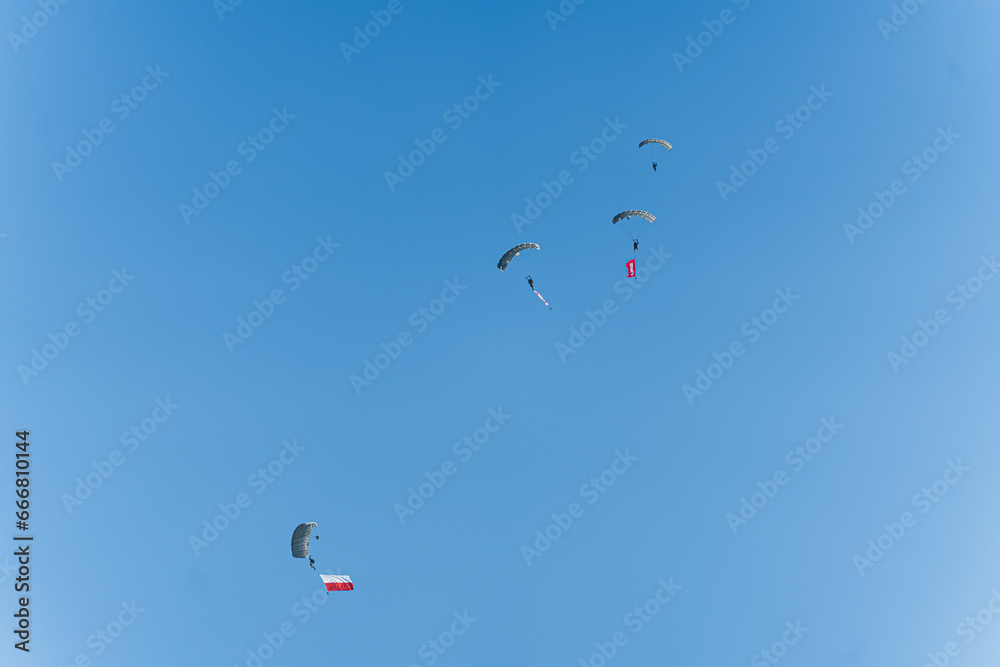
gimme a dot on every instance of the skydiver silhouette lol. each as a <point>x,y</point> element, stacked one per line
<point>312,563</point>
<point>635,245</point>
<point>654,166</point>
<point>531,283</point>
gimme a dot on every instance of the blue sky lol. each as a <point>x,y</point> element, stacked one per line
<point>335,126</point>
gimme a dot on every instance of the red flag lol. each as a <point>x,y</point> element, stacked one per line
<point>630,265</point>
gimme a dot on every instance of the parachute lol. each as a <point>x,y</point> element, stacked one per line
<point>514,252</point>
<point>655,141</point>
<point>300,540</point>
<point>635,227</point>
<point>627,215</point>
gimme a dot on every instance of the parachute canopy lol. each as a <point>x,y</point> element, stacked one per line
<point>628,214</point>
<point>655,141</point>
<point>514,252</point>
<point>300,540</point>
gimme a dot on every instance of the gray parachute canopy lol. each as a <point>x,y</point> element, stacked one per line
<point>514,252</point>
<point>655,141</point>
<point>300,540</point>
<point>628,214</point>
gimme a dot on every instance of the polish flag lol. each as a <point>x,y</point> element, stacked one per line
<point>337,582</point>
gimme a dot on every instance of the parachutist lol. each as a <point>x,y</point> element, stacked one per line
<point>635,245</point>
<point>312,563</point>
<point>654,166</point>
<point>531,283</point>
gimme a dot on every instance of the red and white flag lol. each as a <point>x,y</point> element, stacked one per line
<point>337,582</point>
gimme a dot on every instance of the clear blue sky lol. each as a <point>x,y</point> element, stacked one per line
<point>854,296</point>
